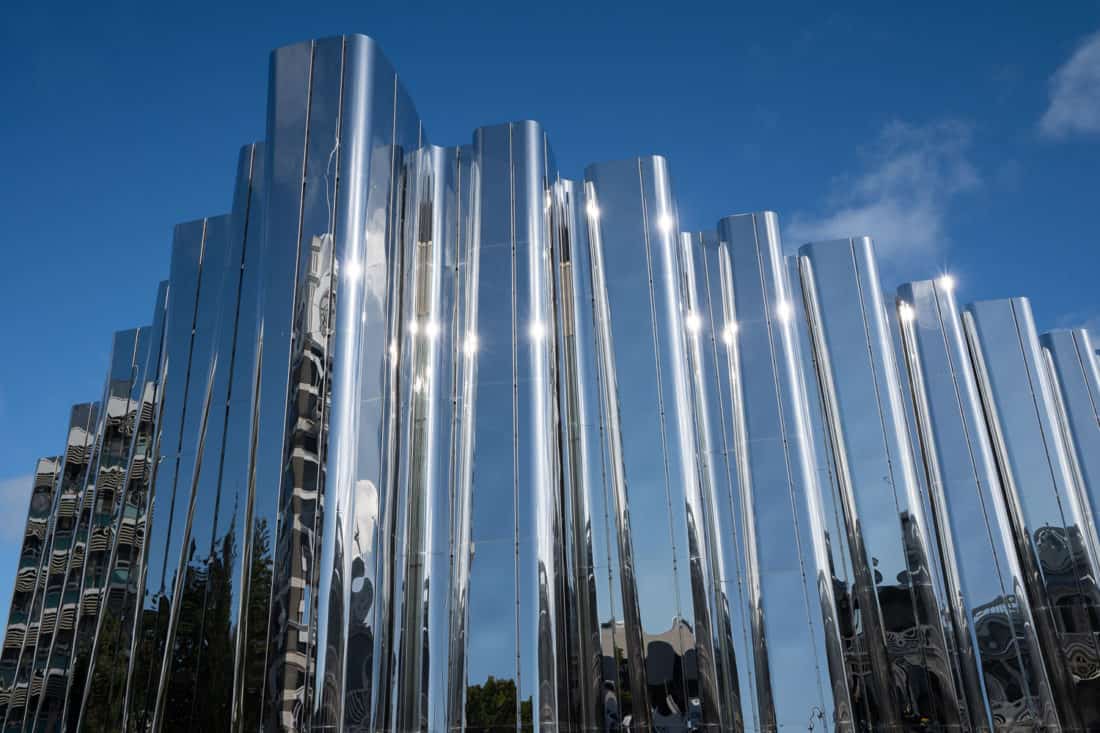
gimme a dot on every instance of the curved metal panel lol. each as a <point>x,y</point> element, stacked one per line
<point>36,544</point>
<point>767,479</point>
<point>1075,379</point>
<point>1000,654</point>
<point>59,585</point>
<point>912,674</point>
<point>512,634</point>
<point>184,376</point>
<point>667,585</point>
<point>1050,523</point>
<point>113,634</point>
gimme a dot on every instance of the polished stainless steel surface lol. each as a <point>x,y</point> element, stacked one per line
<point>901,641</point>
<point>668,585</point>
<point>185,368</point>
<point>431,438</point>
<point>36,542</point>
<point>1052,528</point>
<point>118,607</point>
<point>58,587</point>
<point>753,405</point>
<point>999,650</point>
<point>1075,382</point>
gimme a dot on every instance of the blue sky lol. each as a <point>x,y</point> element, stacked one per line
<point>961,138</point>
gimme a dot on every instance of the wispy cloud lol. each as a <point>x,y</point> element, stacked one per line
<point>1075,94</point>
<point>907,181</point>
<point>15,493</point>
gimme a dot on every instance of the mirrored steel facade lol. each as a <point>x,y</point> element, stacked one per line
<point>435,438</point>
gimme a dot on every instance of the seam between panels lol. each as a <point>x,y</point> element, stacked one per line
<point>515,426</point>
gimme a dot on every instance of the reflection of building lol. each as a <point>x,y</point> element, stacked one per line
<point>429,438</point>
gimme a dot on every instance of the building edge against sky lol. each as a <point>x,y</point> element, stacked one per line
<point>432,438</point>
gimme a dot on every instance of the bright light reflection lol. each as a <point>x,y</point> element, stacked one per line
<point>470,346</point>
<point>431,329</point>
<point>784,311</point>
<point>537,331</point>
<point>693,321</point>
<point>664,223</point>
<point>905,312</point>
<point>592,210</point>
<point>729,332</point>
<point>414,327</point>
<point>353,270</point>
<point>947,282</point>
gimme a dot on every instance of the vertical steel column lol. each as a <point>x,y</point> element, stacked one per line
<point>595,643</point>
<point>79,456</point>
<point>113,634</point>
<point>339,124</point>
<point>201,582</point>
<point>913,678</point>
<point>184,374</point>
<point>1000,653</point>
<point>1075,379</point>
<point>516,572</point>
<point>760,439</point>
<point>1050,523</point>
<point>36,545</point>
<point>121,402</point>
<point>668,587</point>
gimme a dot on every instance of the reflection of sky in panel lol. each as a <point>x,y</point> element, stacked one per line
<point>622,231</point>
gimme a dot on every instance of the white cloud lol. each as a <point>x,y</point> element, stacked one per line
<point>909,177</point>
<point>15,493</point>
<point>1075,94</point>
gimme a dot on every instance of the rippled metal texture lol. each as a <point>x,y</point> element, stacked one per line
<point>36,544</point>
<point>901,641</point>
<point>1000,653</point>
<point>1075,381</point>
<point>1052,529</point>
<point>430,438</point>
<point>752,405</point>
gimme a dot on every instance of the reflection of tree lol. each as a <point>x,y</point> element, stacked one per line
<point>110,677</point>
<point>492,705</point>
<point>256,617</point>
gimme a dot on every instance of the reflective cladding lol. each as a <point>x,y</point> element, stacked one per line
<point>762,464</point>
<point>593,633</point>
<point>432,439</point>
<point>68,667</point>
<point>337,112</point>
<point>191,317</point>
<point>1000,654</point>
<point>200,633</point>
<point>901,634</point>
<point>1051,526</point>
<point>1075,380</point>
<point>57,610</point>
<point>516,572</point>
<point>113,633</point>
<point>668,587</point>
<point>426,529</point>
<point>36,537</point>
